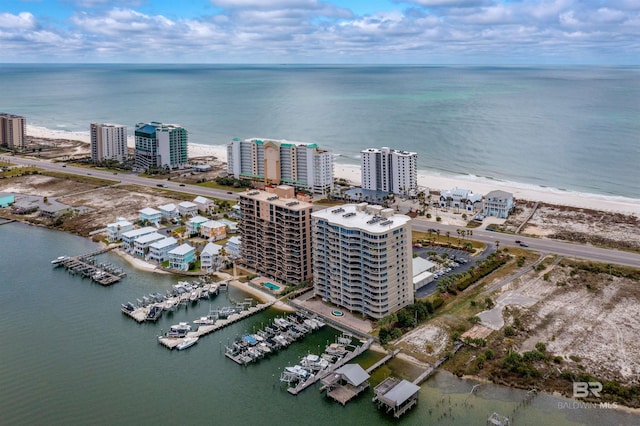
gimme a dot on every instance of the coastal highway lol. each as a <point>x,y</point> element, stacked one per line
<point>561,248</point>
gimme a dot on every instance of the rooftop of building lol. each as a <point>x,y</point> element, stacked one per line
<point>499,194</point>
<point>150,237</point>
<point>149,211</point>
<point>388,150</point>
<point>182,249</point>
<point>139,231</point>
<point>281,196</point>
<point>368,217</point>
<point>164,243</point>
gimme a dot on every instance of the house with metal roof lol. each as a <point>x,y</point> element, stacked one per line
<point>346,383</point>
<point>194,224</point>
<point>159,251</point>
<point>187,208</point>
<point>169,211</point>
<point>396,396</point>
<point>117,228</point>
<point>151,215</point>
<point>204,204</point>
<point>182,257</point>
<point>209,256</point>
<point>129,237</point>
<point>498,204</point>
<point>141,245</point>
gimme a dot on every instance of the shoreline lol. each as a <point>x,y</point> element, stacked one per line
<point>431,180</point>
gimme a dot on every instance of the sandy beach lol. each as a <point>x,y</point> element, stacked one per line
<point>432,181</point>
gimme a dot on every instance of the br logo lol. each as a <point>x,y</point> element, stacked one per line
<point>583,389</point>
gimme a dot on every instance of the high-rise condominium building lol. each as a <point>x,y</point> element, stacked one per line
<point>276,234</point>
<point>302,165</point>
<point>160,145</point>
<point>108,142</point>
<point>12,130</point>
<point>389,170</point>
<point>362,259</point>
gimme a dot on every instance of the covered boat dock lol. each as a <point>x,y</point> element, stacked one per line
<point>346,383</point>
<point>396,396</point>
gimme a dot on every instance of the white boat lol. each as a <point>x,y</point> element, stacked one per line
<point>299,371</point>
<point>59,260</point>
<point>204,321</point>
<point>187,342</point>
<point>179,330</point>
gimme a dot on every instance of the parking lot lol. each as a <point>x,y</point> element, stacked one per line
<point>462,261</point>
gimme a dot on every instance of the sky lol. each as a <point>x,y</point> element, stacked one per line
<point>599,32</point>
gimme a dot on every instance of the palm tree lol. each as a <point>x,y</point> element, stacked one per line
<point>497,245</point>
<point>448,234</point>
<point>438,233</point>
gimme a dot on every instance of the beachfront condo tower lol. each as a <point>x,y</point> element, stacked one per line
<point>12,131</point>
<point>160,145</point>
<point>108,142</point>
<point>301,165</point>
<point>362,259</point>
<point>275,227</point>
<point>389,170</point>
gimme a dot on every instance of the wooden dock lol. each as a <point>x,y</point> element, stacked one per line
<point>322,374</point>
<point>203,330</point>
<point>84,265</point>
<point>383,361</point>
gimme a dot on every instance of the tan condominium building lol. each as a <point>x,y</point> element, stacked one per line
<point>275,226</point>
<point>108,142</point>
<point>12,131</point>
<point>362,259</point>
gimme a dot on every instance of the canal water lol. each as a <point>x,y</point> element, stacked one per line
<point>70,357</point>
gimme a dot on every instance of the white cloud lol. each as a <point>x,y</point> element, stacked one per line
<point>22,21</point>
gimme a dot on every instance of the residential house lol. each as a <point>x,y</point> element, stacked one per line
<point>193,225</point>
<point>498,204</point>
<point>213,230</point>
<point>187,208</point>
<point>159,251</point>
<point>141,245</point>
<point>204,204</point>
<point>182,257</point>
<point>209,256</point>
<point>169,211</point>
<point>117,228</point>
<point>129,237</point>
<point>6,199</point>
<point>54,209</point>
<point>150,215</point>
<point>232,227</point>
<point>460,198</point>
<point>233,246</point>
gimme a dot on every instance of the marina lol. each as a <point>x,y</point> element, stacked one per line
<point>278,335</point>
<point>104,274</point>
<point>151,307</point>
<point>173,341</point>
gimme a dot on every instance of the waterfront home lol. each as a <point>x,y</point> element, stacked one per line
<point>187,208</point>
<point>460,198</point>
<point>209,256</point>
<point>213,230</point>
<point>141,245</point>
<point>150,215</point>
<point>204,204</point>
<point>169,211</point>
<point>117,228</point>
<point>193,225</point>
<point>232,227</point>
<point>182,257</point>
<point>233,246</point>
<point>6,199</point>
<point>54,209</point>
<point>128,238</point>
<point>159,251</point>
<point>498,204</point>
<point>422,272</point>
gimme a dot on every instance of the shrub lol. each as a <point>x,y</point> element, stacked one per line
<point>509,331</point>
<point>541,347</point>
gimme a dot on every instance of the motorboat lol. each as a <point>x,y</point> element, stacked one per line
<point>187,343</point>
<point>128,308</point>
<point>59,260</point>
<point>204,321</point>
<point>179,330</point>
<point>154,313</point>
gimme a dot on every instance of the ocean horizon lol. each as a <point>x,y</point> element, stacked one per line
<point>570,129</point>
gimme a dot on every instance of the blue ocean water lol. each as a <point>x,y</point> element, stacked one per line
<point>569,128</point>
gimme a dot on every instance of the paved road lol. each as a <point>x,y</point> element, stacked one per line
<point>124,178</point>
<point>488,237</point>
<point>538,244</point>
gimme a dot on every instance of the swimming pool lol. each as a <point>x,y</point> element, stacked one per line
<point>271,286</point>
